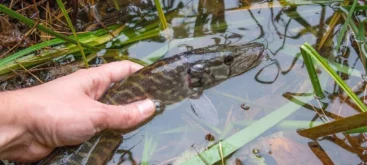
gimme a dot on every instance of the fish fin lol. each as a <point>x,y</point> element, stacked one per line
<point>204,109</point>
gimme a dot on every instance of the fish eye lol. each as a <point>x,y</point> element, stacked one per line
<point>228,60</point>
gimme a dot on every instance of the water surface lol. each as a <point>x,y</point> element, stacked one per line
<point>178,134</point>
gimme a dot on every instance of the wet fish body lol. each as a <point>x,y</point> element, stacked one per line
<point>167,81</point>
<point>175,78</point>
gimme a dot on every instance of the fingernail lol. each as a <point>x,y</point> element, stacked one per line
<point>146,108</point>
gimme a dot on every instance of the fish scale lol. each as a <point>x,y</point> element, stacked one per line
<point>167,81</point>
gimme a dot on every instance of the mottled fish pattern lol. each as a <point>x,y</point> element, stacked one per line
<point>167,81</point>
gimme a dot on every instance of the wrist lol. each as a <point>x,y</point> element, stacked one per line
<point>13,124</point>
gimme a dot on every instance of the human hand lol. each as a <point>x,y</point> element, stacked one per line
<point>65,112</point>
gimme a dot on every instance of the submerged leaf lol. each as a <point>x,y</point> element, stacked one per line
<point>345,25</point>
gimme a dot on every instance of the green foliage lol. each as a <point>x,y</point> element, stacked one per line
<point>149,148</point>
<point>357,130</point>
<point>345,25</point>
<point>63,10</point>
<point>356,121</point>
<point>310,51</point>
<point>312,74</point>
<point>161,16</point>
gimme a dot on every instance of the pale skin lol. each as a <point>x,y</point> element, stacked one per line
<point>65,111</point>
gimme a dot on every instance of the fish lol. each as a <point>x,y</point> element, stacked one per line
<point>166,81</point>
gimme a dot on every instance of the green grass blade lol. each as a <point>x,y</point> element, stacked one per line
<point>312,74</point>
<point>308,2</point>
<point>9,62</point>
<point>63,10</point>
<point>31,49</point>
<point>149,148</point>
<point>145,35</point>
<point>21,53</point>
<point>359,7</point>
<point>345,25</point>
<point>361,32</point>
<point>361,44</point>
<point>31,23</point>
<point>161,16</point>
<point>292,50</point>
<point>357,130</point>
<point>313,53</point>
<point>117,6</point>
<point>361,41</point>
<point>291,125</point>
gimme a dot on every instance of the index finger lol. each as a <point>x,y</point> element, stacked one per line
<point>101,77</point>
<point>116,71</point>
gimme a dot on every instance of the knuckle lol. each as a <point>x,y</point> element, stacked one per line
<point>102,118</point>
<point>101,122</point>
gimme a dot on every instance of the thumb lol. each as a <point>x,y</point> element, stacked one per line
<point>128,116</point>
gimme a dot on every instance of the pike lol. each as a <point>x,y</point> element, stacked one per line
<point>166,81</point>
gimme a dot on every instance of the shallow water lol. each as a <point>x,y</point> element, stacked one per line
<point>178,133</point>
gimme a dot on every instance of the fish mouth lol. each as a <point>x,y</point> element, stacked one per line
<point>262,54</point>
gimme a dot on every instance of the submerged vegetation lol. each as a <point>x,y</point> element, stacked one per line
<point>59,38</point>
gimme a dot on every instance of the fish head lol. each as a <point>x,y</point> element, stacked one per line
<point>244,58</point>
<point>227,62</point>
